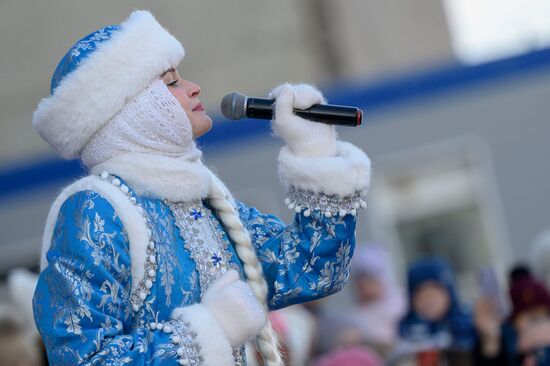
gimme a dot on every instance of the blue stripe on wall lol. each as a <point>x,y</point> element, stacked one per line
<point>370,96</point>
<point>35,175</point>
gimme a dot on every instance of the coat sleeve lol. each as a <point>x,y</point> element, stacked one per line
<point>82,301</point>
<point>310,258</point>
<point>305,260</point>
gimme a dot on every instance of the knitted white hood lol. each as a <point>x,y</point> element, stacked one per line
<point>149,144</point>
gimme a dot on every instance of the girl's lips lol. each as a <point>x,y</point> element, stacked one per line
<point>198,107</point>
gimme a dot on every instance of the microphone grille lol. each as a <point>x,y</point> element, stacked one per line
<point>233,106</point>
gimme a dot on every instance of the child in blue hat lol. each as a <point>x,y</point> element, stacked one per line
<point>436,320</point>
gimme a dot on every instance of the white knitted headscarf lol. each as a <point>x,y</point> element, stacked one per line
<point>153,122</point>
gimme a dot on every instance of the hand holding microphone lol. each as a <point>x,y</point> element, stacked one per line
<point>235,106</point>
<point>292,102</point>
<point>304,138</point>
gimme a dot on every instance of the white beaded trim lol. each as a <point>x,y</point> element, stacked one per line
<point>143,289</point>
<point>183,338</point>
<point>304,201</point>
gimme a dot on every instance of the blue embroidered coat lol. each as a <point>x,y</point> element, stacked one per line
<point>89,312</point>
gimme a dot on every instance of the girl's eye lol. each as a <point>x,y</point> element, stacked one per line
<point>173,83</point>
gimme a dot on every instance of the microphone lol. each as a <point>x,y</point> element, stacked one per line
<point>235,106</point>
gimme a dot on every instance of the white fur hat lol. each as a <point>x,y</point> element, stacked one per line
<point>98,75</point>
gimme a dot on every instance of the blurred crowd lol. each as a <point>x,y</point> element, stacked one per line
<point>424,324</point>
<point>427,323</point>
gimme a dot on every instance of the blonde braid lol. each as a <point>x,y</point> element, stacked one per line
<point>267,338</point>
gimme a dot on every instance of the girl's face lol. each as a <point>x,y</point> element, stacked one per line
<point>431,301</point>
<point>369,289</point>
<point>530,317</point>
<point>187,94</point>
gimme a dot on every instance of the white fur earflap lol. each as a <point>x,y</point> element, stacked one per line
<point>100,86</point>
<point>215,348</point>
<point>344,174</point>
<point>133,221</point>
<point>162,177</point>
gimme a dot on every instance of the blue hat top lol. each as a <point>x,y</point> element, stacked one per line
<point>431,269</point>
<point>79,52</point>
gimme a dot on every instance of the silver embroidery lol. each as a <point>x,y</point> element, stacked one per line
<point>204,243</point>
<point>92,42</point>
<point>330,205</point>
<point>182,336</point>
<point>239,356</point>
<point>207,244</point>
<point>208,247</point>
<point>143,289</point>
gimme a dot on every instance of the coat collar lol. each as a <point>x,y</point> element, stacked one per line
<point>161,177</point>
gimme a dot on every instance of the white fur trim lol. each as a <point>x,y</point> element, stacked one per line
<point>118,70</point>
<point>133,222</point>
<point>161,177</point>
<point>215,347</point>
<point>344,174</point>
<point>235,307</point>
<point>21,285</point>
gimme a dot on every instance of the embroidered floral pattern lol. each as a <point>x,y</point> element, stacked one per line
<point>206,243</point>
<point>79,52</point>
<point>143,288</point>
<point>76,291</point>
<point>294,257</point>
<point>210,254</point>
<point>183,343</point>
<point>83,301</point>
<point>92,41</point>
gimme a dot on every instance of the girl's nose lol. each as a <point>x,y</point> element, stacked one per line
<point>193,90</point>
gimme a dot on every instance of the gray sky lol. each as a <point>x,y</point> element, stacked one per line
<point>483,30</point>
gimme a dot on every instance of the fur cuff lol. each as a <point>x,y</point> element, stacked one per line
<point>215,348</point>
<point>344,174</point>
<point>96,90</point>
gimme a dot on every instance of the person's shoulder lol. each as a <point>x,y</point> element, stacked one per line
<point>99,200</point>
<point>93,198</point>
<point>99,193</point>
<point>89,188</point>
<point>98,196</point>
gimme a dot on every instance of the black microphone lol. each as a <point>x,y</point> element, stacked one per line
<point>235,106</point>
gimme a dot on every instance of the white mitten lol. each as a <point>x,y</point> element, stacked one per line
<point>305,138</point>
<point>234,306</point>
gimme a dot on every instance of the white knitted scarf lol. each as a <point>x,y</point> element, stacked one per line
<point>153,122</point>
